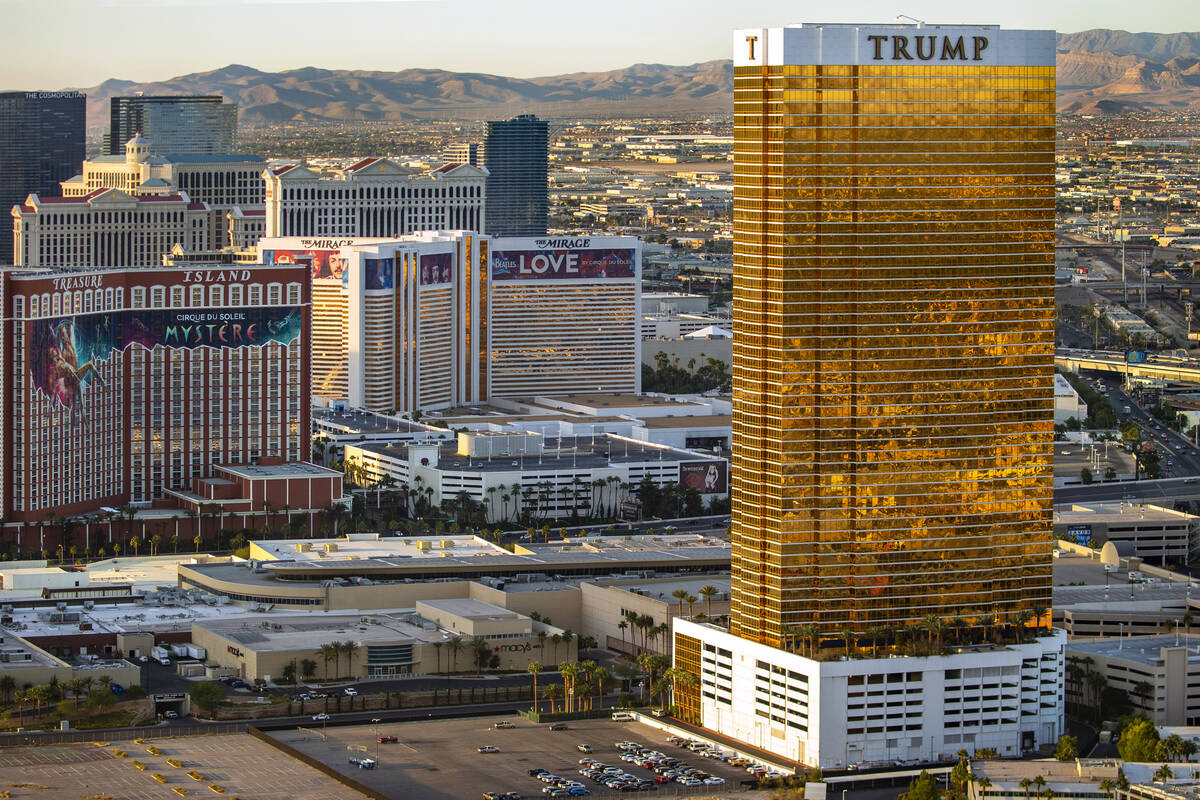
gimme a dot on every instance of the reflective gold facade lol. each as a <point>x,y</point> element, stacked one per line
<point>893,341</point>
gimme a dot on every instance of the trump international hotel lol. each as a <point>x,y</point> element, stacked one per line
<point>893,398</point>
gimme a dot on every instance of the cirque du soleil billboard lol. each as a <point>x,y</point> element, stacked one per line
<point>64,353</point>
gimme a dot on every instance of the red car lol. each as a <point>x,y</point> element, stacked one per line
<point>387,739</point>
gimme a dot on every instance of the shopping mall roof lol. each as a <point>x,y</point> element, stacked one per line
<point>372,546</point>
<point>615,556</point>
<point>310,631</point>
<point>698,421</point>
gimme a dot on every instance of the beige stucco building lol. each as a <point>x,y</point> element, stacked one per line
<point>383,644</point>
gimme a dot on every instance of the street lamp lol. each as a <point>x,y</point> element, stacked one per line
<point>375,730</point>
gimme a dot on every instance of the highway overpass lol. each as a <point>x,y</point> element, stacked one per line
<point>1159,492</point>
<point>1177,369</point>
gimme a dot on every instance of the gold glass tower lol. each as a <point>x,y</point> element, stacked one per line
<point>893,327</point>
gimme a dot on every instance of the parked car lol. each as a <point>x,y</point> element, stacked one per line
<point>488,748</point>
<point>503,724</point>
<point>583,748</point>
<point>387,739</point>
<point>558,726</point>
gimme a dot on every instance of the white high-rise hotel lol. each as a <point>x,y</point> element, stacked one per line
<point>893,363</point>
<point>441,318</point>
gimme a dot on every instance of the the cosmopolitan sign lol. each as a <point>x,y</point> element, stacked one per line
<point>563,259</point>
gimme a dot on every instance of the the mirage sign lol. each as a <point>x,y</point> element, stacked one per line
<point>563,259</point>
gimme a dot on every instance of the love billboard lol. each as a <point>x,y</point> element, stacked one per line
<point>563,264</point>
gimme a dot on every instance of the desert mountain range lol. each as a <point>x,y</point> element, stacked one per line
<point>1099,71</point>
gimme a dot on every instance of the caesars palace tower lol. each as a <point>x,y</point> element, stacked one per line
<point>893,399</point>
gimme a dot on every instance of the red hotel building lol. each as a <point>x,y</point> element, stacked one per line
<point>134,387</point>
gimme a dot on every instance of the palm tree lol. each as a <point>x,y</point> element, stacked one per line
<point>1163,774</point>
<point>1021,620</point>
<point>1108,786</point>
<point>1025,783</point>
<point>8,685</point>
<point>437,649</point>
<point>552,693</point>
<point>811,632</point>
<point>1039,782</point>
<point>602,676</point>
<point>456,646</point>
<point>708,593</point>
<point>350,648</point>
<point>680,594</point>
<point>622,626</point>
<point>534,668</point>
<point>690,600</point>
<point>876,632</point>
<point>328,652</point>
<point>1039,612</point>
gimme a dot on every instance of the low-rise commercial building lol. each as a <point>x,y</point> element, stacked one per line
<point>29,665</point>
<point>547,478</point>
<point>1161,535</point>
<point>437,636</point>
<point>1067,403</point>
<point>1078,779</point>
<point>365,571</point>
<point>1157,673</point>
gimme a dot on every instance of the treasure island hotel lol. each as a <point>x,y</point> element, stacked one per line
<point>893,399</point>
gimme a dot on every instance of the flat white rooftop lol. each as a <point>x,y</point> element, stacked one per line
<point>1142,649</point>
<point>122,618</point>
<point>373,545</point>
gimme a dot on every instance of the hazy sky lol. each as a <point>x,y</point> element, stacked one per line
<point>53,44</point>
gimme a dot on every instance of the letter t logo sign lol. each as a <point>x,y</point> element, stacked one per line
<point>750,40</point>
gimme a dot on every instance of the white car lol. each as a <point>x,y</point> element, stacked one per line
<point>714,781</point>
<point>321,717</point>
<point>351,691</point>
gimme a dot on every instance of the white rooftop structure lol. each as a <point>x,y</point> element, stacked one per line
<point>373,545</point>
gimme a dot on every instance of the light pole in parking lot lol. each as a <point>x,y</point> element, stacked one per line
<point>375,730</point>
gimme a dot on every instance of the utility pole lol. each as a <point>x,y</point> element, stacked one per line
<point>1145,270</point>
<point>1187,312</point>
<point>1121,233</point>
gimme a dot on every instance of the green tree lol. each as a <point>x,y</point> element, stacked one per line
<point>922,787</point>
<point>308,667</point>
<point>288,673</point>
<point>1139,741</point>
<point>101,698</point>
<point>1068,748</point>
<point>1085,475</point>
<point>206,694</point>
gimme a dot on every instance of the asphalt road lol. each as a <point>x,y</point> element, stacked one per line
<point>1171,445</point>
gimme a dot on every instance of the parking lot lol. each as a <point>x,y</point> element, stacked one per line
<point>240,765</point>
<point>439,760</point>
